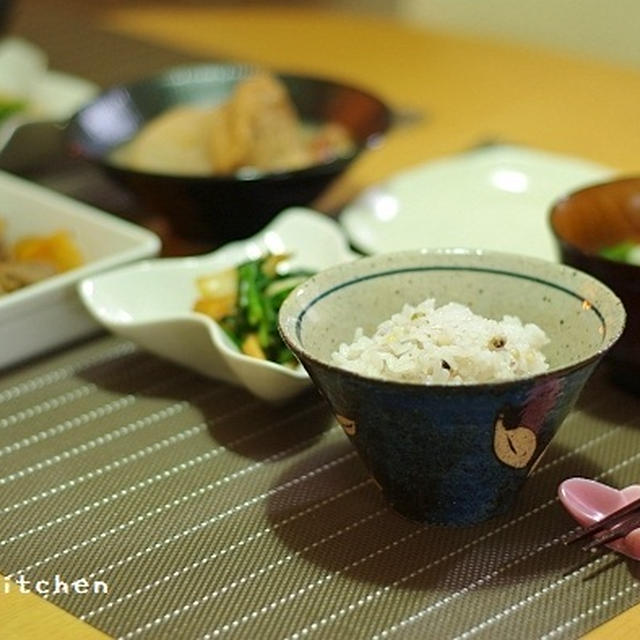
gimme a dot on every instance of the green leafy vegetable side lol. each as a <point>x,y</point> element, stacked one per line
<point>9,107</point>
<point>261,292</point>
<point>619,252</point>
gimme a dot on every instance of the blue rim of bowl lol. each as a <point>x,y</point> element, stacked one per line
<point>552,373</point>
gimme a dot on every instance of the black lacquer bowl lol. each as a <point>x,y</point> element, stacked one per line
<point>221,207</point>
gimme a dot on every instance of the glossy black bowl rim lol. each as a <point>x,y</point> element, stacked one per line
<point>327,168</point>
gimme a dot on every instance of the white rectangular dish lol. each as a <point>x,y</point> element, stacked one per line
<point>48,313</point>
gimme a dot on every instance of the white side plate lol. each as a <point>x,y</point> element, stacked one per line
<point>491,198</point>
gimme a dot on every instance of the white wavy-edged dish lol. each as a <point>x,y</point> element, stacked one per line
<point>150,302</point>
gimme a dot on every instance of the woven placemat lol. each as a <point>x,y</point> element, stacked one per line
<point>205,513</point>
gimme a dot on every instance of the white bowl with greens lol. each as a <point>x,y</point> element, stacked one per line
<point>36,102</point>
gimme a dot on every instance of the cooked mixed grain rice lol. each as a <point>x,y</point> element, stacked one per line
<point>447,344</point>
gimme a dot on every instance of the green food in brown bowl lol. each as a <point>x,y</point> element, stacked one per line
<point>597,230</point>
<point>627,251</point>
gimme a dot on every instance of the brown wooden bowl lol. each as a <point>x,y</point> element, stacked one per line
<point>588,220</point>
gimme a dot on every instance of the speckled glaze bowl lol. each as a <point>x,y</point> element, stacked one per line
<point>444,454</point>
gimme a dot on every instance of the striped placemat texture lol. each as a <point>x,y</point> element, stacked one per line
<point>209,514</point>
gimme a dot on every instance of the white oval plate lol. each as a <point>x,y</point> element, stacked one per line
<point>494,197</point>
<point>150,302</point>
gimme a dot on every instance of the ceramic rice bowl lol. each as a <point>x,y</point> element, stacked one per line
<point>452,454</point>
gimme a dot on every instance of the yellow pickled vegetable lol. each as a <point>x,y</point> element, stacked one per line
<point>56,249</point>
<point>218,307</point>
<point>251,347</point>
